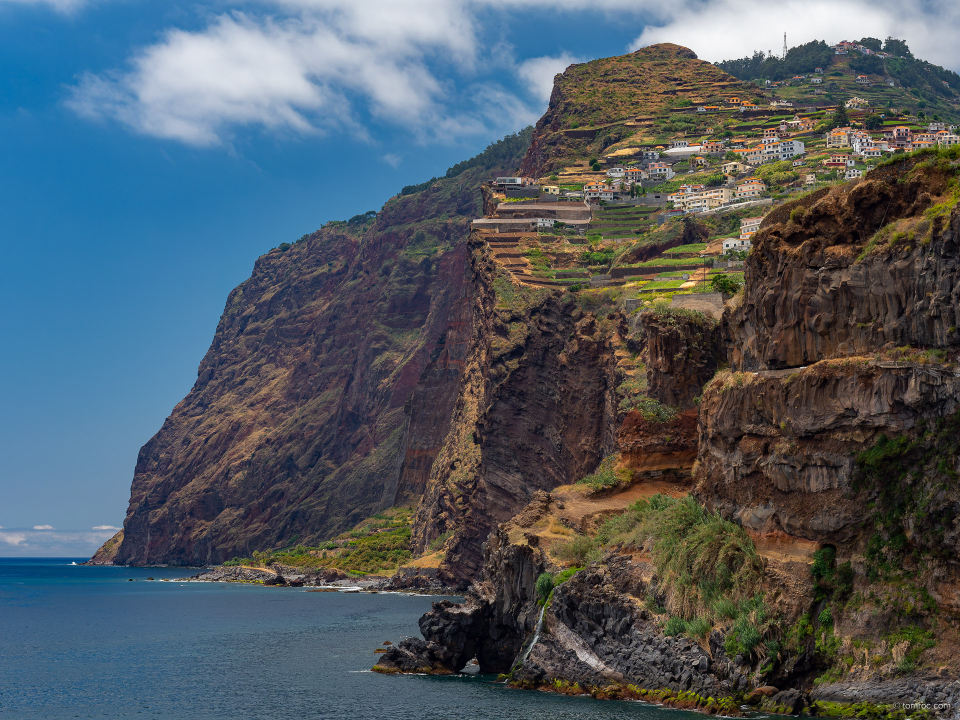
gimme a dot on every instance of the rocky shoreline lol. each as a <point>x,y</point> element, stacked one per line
<point>277,575</point>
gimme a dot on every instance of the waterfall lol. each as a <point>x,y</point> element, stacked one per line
<point>536,636</point>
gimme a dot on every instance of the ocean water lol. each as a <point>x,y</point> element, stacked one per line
<point>84,642</point>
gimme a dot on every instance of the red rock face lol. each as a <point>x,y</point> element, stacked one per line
<point>299,423</point>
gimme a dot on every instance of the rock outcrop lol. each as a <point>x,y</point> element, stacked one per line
<point>683,350</point>
<point>843,335</point>
<point>490,625</point>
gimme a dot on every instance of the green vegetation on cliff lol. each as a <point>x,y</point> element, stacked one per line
<point>380,543</point>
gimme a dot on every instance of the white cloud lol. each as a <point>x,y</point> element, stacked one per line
<point>43,527</point>
<point>538,73</point>
<point>297,74</point>
<point>105,527</point>
<point>12,538</point>
<point>61,5</point>
<point>53,543</point>
<point>392,159</point>
<point>714,30</point>
<point>304,67</point>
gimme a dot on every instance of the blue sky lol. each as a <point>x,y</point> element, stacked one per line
<point>152,150</point>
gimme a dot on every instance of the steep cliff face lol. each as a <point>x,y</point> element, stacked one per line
<point>845,339</point>
<point>594,104</point>
<point>683,351</point>
<point>779,448</point>
<point>537,409</point>
<point>299,424</point>
<point>850,269</point>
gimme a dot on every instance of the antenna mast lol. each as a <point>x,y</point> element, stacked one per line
<point>784,46</point>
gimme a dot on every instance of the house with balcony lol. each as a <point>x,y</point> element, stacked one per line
<point>748,226</point>
<point>733,168</point>
<point>660,171</point>
<point>852,174</point>
<point>616,172</point>
<point>751,187</point>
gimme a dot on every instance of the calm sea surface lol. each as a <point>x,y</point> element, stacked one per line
<point>83,642</point>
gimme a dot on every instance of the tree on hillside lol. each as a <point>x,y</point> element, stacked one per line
<point>897,47</point>
<point>840,117</point>
<point>872,122</point>
<point>800,59</point>
<point>872,43</point>
<point>728,284</point>
<point>867,65</point>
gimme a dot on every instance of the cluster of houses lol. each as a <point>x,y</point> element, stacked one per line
<point>697,198</point>
<point>864,145</point>
<point>844,48</point>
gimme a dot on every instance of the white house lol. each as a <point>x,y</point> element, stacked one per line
<point>616,172</point>
<point>679,143</point>
<point>545,222</point>
<point>852,174</point>
<point>660,171</point>
<point>736,244</point>
<point>598,194</point>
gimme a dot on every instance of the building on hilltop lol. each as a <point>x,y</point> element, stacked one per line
<point>703,200</point>
<point>736,245</point>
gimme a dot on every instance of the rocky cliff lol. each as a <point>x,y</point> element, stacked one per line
<point>826,470</point>
<point>537,410</point>
<point>328,388</point>
<point>845,334</point>
<point>835,423</point>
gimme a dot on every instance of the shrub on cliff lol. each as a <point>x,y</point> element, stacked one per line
<point>607,475</point>
<point>707,566</point>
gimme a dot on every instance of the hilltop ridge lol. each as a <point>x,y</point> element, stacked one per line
<point>596,104</point>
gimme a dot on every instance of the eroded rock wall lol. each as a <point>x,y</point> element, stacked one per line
<point>537,409</point>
